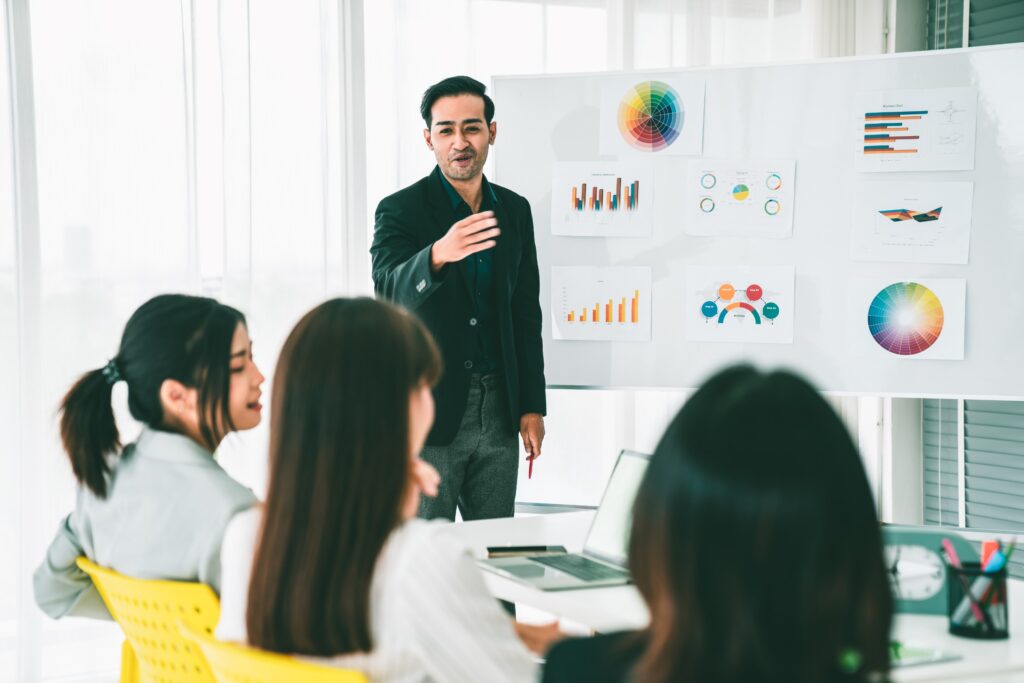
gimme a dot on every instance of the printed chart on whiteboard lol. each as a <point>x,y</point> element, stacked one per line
<point>916,130</point>
<point>913,222</point>
<point>594,303</point>
<point>602,199</point>
<point>732,303</point>
<point>734,197</point>
<point>914,318</point>
<point>657,115</point>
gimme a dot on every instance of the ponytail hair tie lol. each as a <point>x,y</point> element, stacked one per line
<point>111,372</point>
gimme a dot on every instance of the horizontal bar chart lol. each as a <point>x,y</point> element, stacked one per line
<point>880,126</point>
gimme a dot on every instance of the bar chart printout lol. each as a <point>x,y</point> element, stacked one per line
<point>601,199</point>
<point>889,132</point>
<point>601,304</point>
<point>916,130</point>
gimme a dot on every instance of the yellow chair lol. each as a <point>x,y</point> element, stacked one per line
<point>233,663</point>
<point>149,613</point>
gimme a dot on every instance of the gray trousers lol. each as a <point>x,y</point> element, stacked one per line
<point>480,467</point>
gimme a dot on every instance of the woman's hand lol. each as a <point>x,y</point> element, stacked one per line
<point>423,478</point>
<point>538,638</point>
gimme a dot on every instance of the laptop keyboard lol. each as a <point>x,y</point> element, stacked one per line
<point>581,567</point>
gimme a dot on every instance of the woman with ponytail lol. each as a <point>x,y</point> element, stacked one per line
<point>157,508</point>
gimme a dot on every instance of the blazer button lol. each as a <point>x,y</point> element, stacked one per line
<point>472,321</point>
<point>468,365</point>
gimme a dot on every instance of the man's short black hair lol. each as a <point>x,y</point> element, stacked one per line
<point>455,85</point>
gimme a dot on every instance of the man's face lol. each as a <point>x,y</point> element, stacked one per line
<point>459,135</point>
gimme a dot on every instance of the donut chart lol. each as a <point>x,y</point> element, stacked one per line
<point>651,116</point>
<point>905,318</point>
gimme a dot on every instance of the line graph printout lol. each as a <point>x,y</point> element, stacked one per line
<point>916,130</point>
<point>913,222</point>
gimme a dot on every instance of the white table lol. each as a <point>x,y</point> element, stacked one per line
<point>618,608</point>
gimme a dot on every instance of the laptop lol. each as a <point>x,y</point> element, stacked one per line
<point>603,560</point>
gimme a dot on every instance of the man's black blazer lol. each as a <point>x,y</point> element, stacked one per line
<point>407,225</point>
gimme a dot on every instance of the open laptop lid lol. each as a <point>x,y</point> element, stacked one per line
<point>608,538</point>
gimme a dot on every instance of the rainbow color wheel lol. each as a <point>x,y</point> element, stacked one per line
<point>651,116</point>
<point>905,318</point>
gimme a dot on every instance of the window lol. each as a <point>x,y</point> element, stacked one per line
<point>990,22</point>
<point>990,437</point>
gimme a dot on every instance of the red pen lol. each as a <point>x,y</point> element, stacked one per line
<point>529,474</point>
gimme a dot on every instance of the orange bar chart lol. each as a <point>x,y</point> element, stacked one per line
<point>601,303</point>
<point>612,312</point>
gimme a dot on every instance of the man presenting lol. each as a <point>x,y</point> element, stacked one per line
<point>459,252</point>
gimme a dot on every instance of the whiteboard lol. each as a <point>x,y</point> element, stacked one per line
<point>805,112</point>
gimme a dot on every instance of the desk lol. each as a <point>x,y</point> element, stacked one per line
<point>618,608</point>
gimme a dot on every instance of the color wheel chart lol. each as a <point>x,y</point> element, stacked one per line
<point>905,318</point>
<point>651,116</point>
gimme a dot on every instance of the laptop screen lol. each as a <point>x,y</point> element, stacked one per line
<point>609,534</point>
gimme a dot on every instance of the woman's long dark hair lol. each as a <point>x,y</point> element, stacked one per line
<point>171,336</point>
<point>339,467</point>
<point>755,542</point>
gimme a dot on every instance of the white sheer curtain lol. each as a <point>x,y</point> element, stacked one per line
<point>416,43</point>
<point>174,145</point>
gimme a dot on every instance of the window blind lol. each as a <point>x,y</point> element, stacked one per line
<point>994,22</point>
<point>941,476</point>
<point>990,22</point>
<point>945,24</point>
<point>994,468</point>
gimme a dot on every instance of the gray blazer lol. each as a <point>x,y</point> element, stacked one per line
<point>164,516</point>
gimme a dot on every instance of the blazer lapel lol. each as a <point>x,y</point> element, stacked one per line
<point>500,252</point>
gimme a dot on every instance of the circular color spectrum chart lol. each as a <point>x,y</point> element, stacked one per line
<point>740,192</point>
<point>905,318</point>
<point>651,116</point>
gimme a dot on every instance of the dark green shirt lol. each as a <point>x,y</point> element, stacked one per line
<point>479,271</point>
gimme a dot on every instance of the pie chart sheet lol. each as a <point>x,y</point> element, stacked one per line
<point>655,115</point>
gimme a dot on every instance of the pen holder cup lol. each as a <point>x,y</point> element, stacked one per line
<point>987,599</point>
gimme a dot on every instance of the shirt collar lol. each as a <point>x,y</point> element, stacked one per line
<point>456,199</point>
<point>171,446</point>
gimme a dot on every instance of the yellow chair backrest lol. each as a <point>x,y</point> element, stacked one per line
<point>149,613</point>
<point>233,663</point>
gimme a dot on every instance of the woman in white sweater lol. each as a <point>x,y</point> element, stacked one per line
<point>335,565</point>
